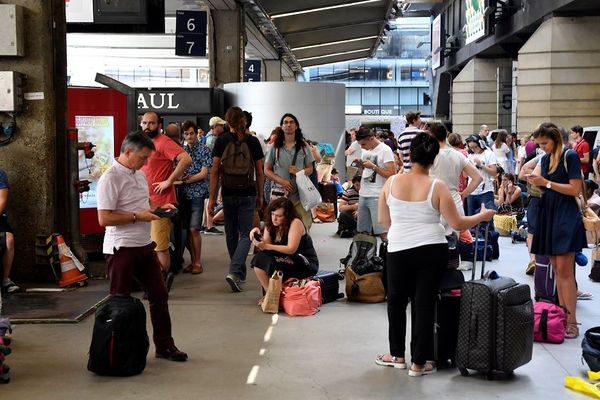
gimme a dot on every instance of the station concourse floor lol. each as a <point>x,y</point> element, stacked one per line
<point>237,352</point>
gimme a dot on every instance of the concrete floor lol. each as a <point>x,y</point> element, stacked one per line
<point>231,342</point>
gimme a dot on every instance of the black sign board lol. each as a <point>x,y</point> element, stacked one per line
<point>175,101</point>
<point>252,70</point>
<point>190,33</point>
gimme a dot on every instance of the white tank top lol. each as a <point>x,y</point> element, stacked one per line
<point>414,223</point>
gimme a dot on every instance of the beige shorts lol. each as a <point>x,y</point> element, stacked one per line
<point>160,232</point>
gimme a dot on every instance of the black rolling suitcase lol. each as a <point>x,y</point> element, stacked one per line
<point>330,285</point>
<point>447,311</point>
<point>495,332</point>
<point>119,341</point>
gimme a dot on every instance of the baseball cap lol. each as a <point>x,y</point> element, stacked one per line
<point>214,121</point>
<point>590,184</point>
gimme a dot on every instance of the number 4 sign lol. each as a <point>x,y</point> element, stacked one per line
<point>190,33</point>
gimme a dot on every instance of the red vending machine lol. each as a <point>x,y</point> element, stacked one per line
<point>100,115</point>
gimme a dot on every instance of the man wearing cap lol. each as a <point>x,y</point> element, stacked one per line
<point>161,175</point>
<point>414,120</point>
<point>378,165</point>
<point>217,126</point>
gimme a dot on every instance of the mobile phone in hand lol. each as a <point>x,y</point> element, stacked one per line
<point>165,212</point>
<point>258,236</point>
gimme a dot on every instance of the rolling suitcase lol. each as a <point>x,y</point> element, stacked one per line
<point>447,311</point>
<point>330,285</point>
<point>495,332</point>
<point>544,280</point>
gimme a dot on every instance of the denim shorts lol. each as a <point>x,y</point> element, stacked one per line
<point>197,212</point>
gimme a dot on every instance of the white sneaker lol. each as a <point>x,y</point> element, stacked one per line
<point>465,266</point>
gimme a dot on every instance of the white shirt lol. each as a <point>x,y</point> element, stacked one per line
<point>379,156</point>
<point>447,167</point>
<point>126,190</point>
<point>356,153</point>
<point>488,158</point>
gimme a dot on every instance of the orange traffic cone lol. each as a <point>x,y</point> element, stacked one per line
<point>69,264</point>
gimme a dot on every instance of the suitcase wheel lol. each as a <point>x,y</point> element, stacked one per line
<point>489,376</point>
<point>463,371</point>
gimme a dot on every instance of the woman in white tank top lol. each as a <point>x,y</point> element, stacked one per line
<point>410,205</point>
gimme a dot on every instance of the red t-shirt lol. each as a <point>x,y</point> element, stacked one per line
<point>159,168</point>
<point>582,147</point>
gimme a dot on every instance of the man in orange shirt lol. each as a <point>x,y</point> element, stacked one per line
<point>581,146</point>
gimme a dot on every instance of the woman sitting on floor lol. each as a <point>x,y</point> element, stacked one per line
<point>285,245</point>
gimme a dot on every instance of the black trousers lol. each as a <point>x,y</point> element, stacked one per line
<point>413,275</point>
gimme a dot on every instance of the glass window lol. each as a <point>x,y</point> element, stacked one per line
<point>389,96</point>
<point>326,73</point>
<point>408,96</point>
<point>387,72</point>
<point>370,96</point>
<point>356,71</point>
<point>353,96</point>
<point>313,74</point>
<point>340,72</point>
<point>418,72</point>
<point>372,72</point>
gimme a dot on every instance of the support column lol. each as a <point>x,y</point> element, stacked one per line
<point>35,160</point>
<point>559,74</point>
<point>475,95</point>
<point>226,46</point>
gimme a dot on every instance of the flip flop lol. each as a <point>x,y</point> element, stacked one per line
<point>395,362</point>
<point>428,368</point>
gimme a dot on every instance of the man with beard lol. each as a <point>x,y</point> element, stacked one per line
<point>161,175</point>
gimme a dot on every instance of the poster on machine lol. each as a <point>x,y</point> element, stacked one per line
<point>475,20</point>
<point>99,131</point>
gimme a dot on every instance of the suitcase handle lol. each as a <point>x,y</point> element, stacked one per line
<point>485,244</point>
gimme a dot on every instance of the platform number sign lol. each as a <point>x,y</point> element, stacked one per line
<point>252,70</point>
<point>190,33</point>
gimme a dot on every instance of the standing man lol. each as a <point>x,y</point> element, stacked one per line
<point>7,239</point>
<point>124,209</point>
<point>378,164</point>
<point>238,166</point>
<point>352,153</point>
<point>582,147</point>
<point>414,120</point>
<point>161,177</point>
<point>173,132</point>
<point>217,127</point>
<point>484,133</point>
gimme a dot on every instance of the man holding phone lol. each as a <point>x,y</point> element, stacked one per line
<point>124,209</point>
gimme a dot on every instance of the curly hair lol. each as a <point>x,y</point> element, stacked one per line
<point>289,214</point>
<point>236,120</point>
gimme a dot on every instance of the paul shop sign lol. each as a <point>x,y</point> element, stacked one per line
<point>174,101</point>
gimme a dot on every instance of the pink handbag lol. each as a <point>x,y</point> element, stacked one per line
<point>549,322</point>
<point>301,297</point>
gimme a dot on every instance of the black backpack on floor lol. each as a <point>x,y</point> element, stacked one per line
<point>119,342</point>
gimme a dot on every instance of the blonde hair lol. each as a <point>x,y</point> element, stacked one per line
<point>551,131</point>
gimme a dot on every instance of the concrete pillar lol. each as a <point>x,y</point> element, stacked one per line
<point>475,96</point>
<point>35,159</point>
<point>226,47</point>
<point>559,74</point>
<point>272,70</point>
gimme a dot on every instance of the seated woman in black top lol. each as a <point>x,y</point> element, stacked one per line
<point>285,245</point>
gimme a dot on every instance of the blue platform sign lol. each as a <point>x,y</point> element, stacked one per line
<point>252,70</point>
<point>190,33</point>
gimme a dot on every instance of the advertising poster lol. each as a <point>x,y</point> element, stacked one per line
<point>100,131</point>
<point>475,21</point>
<point>436,35</point>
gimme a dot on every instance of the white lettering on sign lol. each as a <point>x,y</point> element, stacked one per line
<point>372,112</point>
<point>158,101</point>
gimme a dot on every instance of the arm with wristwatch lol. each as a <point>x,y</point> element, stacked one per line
<point>573,188</point>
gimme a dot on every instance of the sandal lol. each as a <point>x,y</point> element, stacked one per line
<point>187,269</point>
<point>572,331</point>
<point>395,362</point>
<point>260,301</point>
<point>427,369</point>
<point>316,220</point>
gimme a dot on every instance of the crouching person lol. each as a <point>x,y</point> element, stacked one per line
<point>285,245</point>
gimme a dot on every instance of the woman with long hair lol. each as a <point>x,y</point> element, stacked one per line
<point>501,149</point>
<point>410,206</point>
<point>284,245</point>
<point>559,232</point>
<point>289,155</point>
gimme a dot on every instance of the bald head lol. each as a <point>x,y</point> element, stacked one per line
<point>173,132</point>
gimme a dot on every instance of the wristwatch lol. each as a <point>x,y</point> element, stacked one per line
<point>549,185</point>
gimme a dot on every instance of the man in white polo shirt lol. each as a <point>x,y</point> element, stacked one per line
<point>124,209</point>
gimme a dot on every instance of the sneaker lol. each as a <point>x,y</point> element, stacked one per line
<point>213,231</point>
<point>465,266</point>
<point>169,278</point>
<point>581,295</point>
<point>530,268</point>
<point>234,282</point>
<point>172,353</point>
<point>202,229</point>
<point>9,286</point>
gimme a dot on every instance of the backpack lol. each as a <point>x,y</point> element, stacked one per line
<point>590,346</point>
<point>237,165</point>
<point>362,255</point>
<point>119,341</point>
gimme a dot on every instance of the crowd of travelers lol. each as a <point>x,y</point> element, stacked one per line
<point>413,190</point>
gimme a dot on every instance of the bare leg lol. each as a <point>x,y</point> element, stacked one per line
<point>165,260</point>
<point>9,255</point>
<point>263,278</point>
<point>208,219</point>
<point>529,240</point>
<point>195,246</point>
<point>565,283</point>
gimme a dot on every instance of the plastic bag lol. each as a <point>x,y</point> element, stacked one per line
<point>309,195</point>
